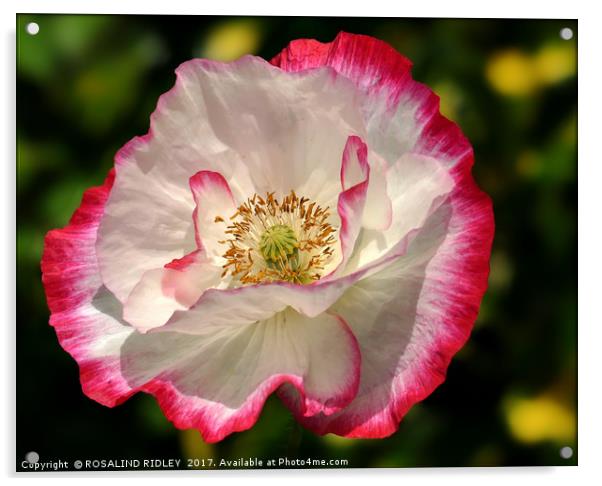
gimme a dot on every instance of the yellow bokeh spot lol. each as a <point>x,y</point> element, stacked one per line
<point>511,73</point>
<point>542,418</point>
<point>555,63</point>
<point>232,39</point>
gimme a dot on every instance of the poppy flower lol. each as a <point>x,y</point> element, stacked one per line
<point>307,226</point>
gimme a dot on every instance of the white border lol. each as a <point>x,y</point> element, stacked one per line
<point>373,8</point>
<point>590,217</point>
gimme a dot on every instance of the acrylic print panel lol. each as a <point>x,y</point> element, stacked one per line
<point>343,243</point>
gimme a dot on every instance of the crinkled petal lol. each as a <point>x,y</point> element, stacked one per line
<point>378,71</point>
<point>413,316</point>
<point>147,222</point>
<point>371,64</point>
<point>162,291</point>
<point>401,115</point>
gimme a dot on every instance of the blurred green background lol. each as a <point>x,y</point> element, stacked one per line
<point>87,84</point>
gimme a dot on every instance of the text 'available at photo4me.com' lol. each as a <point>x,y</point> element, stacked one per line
<point>33,463</point>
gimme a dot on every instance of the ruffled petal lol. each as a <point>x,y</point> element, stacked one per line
<point>214,205</point>
<point>162,291</point>
<point>401,115</point>
<point>370,63</point>
<point>380,73</point>
<point>419,183</point>
<point>413,316</point>
<point>85,316</point>
<point>146,223</point>
<point>218,381</point>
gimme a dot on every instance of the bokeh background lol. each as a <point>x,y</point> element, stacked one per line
<point>87,84</point>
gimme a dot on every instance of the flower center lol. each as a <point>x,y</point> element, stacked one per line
<point>270,240</point>
<point>278,242</point>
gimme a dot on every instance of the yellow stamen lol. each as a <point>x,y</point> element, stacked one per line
<point>270,240</point>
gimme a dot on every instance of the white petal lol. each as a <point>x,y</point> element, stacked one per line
<point>416,185</point>
<point>377,210</point>
<point>218,381</point>
<point>147,223</point>
<point>162,291</point>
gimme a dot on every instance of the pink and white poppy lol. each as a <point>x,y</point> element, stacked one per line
<point>307,226</point>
